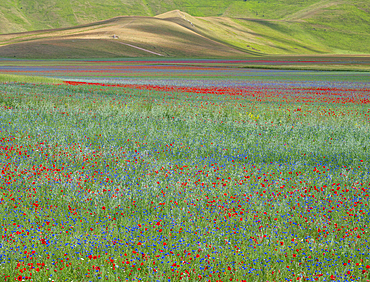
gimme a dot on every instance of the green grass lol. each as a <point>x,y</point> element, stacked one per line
<point>33,15</point>
<point>342,27</point>
<point>66,149</point>
<point>259,27</point>
<point>27,79</point>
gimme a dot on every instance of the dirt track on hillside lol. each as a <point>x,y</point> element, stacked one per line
<point>142,49</point>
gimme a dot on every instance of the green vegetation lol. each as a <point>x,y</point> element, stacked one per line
<point>120,184</point>
<point>5,78</point>
<point>219,28</point>
<point>33,15</point>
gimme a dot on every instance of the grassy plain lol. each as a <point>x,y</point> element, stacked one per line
<point>263,182</point>
<point>6,78</point>
<point>163,68</point>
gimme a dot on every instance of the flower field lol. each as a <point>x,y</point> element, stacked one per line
<point>235,181</point>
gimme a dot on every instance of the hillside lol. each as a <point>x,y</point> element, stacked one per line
<point>28,15</point>
<point>245,28</point>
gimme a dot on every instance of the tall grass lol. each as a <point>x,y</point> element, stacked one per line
<point>119,184</point>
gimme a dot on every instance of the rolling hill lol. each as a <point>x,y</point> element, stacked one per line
<point>202,28</point>
<point>28,15</point>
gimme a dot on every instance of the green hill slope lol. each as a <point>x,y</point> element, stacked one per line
<point>27,15</point>
<point>245,28</point>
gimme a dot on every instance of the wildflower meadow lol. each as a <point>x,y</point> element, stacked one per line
<point>106,181</point>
